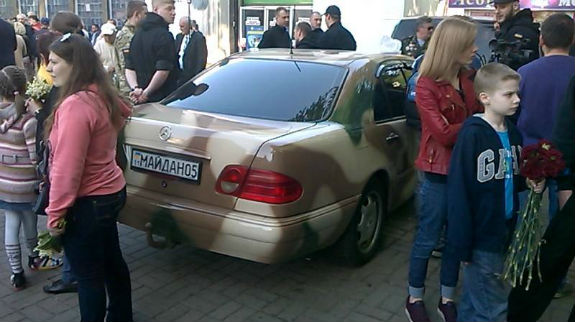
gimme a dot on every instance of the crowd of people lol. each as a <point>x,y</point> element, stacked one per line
<point>473,125</point>
<point>309,35</point>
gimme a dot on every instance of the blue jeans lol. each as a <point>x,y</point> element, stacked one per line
<point>93,249</point>
<point>67,274</point>
<point>432,219</point>
<point>484,293</point>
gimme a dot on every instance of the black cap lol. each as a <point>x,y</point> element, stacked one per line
<point>332,11</point>
<point>501,1</point>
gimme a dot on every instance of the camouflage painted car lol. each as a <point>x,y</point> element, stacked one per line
<point>269,156</point>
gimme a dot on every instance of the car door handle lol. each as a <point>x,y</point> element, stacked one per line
<point>392,137</point>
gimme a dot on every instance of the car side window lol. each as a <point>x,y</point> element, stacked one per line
<point>390,90</point>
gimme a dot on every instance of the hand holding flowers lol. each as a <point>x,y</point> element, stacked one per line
<point>538,161</point>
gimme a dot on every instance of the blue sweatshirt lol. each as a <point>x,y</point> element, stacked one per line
<point>543,85</point>
<point>476,189</point>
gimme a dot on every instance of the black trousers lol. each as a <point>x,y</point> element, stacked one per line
<point>93,249</point>
<point>556,257</point>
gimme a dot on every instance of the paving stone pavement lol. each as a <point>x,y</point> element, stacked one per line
<point>186,284</point>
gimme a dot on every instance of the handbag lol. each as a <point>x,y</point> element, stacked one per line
<point>43,199</point>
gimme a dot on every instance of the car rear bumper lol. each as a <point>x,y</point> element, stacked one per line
<point>225,231</point>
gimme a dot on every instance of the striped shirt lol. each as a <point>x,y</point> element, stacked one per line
<point>18,177</point>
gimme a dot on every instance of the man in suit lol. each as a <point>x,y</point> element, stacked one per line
<point>277,36</point>
<point>7,44</point>
<point>191,49</point>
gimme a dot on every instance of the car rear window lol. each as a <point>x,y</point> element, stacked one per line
<point>269,89</point>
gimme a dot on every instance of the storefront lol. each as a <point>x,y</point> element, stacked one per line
<point>257,16</point>
<point>541,8</point>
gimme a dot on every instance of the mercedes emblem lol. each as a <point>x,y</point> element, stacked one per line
<point>165,133</point>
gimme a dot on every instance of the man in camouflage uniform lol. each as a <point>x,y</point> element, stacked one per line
<point>135,12</point>
<point>417,44</point>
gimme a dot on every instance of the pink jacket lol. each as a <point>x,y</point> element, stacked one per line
<point>83,152</point>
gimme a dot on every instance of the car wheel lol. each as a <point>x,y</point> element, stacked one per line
<point>362,238</point>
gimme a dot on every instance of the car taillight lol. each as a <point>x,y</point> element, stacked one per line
<point>258,185</point>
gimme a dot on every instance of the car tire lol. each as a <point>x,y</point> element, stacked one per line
<point>363,236</point>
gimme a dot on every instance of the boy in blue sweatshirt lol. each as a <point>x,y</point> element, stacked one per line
<point>482,186</point>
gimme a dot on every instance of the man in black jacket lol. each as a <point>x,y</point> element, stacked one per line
<point>191,49</point>
<point>316,31</point>
<point>558,244</point>
<point>152,63</point>
<point>336,36</point>
<point>277,36</point>
<point>516,26</point>
<point>7,44</point>
<point>302,36</point>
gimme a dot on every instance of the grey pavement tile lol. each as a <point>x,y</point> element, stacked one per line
<point>358,317</point>
<point>191,315</point>
<point>264,317</point>
<point>14,317</point>
<point>225,310</point>
<point>243,314</point>
<point>173,313</point>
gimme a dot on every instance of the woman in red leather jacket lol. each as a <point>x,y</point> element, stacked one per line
<point>445,98</point>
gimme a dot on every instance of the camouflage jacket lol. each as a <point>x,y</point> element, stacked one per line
<point>122,44</point>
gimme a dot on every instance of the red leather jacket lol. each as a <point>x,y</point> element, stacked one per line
<point>442,111</point>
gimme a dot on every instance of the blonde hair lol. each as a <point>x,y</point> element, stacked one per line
<point>19,28</point>
<point>490,75</point>
<point>450,39</point>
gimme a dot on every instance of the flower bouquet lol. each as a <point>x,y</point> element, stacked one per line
<point>38,90</point>
<point>49,245</point>
<point>538,161</point>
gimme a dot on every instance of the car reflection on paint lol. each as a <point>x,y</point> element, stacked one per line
<point>269,156</point>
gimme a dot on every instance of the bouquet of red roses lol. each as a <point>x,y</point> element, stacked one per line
<point>538,161</point>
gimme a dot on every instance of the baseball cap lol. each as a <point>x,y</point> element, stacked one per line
<point>332,11</point>
<point>45,21</point>
<point>108,29</point>
<point>501,1</point>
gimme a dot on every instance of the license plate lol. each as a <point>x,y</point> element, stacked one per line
<point>173,166</point>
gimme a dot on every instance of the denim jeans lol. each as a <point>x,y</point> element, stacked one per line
<point>432,219</point>
<point>484,293</point>
<point>67,274</point>
<point>93,249</point>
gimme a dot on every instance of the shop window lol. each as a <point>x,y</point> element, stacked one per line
<point>55,6</point>
<point>28,5</point>
<point>118,11</point>
<point>90,11</point>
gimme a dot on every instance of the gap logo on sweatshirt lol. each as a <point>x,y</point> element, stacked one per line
<point>486,167</point>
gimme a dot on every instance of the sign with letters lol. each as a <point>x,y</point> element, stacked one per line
<point>533,4</point>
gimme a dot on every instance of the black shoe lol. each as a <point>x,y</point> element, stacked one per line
<point>18,281</point>
<point>58,287</point>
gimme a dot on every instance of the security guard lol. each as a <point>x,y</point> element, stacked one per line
<point>513,25</point>
<point>336,37</point>
<point>416,45</point>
